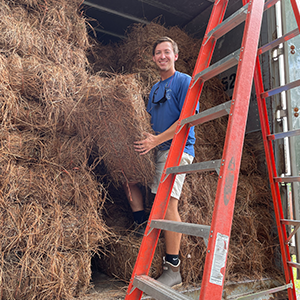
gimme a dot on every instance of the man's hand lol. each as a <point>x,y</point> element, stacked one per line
<point>144,146</point>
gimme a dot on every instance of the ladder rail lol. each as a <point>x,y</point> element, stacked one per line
<point>213,279</point>
<point>296,8</point>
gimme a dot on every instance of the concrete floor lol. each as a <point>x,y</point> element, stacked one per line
<point>107,288</point>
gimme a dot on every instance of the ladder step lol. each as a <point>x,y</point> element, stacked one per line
<point>280,89</point>
<point>234,20</point>
<point>182,227</point>
<point>208,115</point>
<point>293,264</point>
<point>282,135</point>
<point>269,4</point>
<point>213,165</point>
<point>278,41</point>
<point>222,65</point>
<point>287,179</point>
<point>231,22</point>
<point>290,222</point>
<point>262,294</point>
<point>156,289</point>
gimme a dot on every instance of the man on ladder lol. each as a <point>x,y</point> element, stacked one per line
<point>165,103</point>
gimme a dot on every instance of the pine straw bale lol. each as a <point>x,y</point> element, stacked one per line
<point>4,79</point>
<point>50,228</point>
<point>47,183</point>
<point>44,80</point>
<point>45,275</point>
<point>119,260</point>
<point>54,86</point>
<point>32,28</point>
<point>210,136</point>
<point>252,250</point>
<point>22,32</point>
<point>16,32</point>
<point>8,98</point>
<point>59,150</point>
<point>121,119</point>
<point>68,7</point>
<point>8,105</point>
<point>54,226</point>
<point>63,18</point>
<point>136,51</point>
<point>102,58</point>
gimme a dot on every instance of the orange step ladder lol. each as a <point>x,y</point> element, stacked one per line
<point>228,167</point>
<point>268,140</point>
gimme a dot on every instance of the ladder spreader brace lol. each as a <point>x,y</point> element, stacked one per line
<point>216,236</point>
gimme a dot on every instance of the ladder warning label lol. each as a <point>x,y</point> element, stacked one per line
<point>219,259</point>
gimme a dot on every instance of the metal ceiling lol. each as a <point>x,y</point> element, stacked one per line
<point>112,18</point>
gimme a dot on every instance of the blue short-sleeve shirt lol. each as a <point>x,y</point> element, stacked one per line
<point>164,114</point>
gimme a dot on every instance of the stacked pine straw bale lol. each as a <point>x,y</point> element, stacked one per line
<point>252,245</point>
<point>134,55</point>
<point>54,117</point>
<point>119,120</point>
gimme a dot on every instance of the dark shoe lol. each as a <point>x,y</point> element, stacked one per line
<point>139,229</point>
<point>171,275</point>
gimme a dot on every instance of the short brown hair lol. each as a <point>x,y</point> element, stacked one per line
<point>165,39</point>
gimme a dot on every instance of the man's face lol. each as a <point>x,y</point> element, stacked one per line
<point>164,56</point>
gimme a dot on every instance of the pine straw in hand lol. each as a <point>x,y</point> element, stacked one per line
<point>120,120</point>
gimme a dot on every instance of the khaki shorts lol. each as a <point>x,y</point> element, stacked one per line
<point>161,158</point>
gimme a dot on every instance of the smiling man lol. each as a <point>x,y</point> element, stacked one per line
<point>165,103</point>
